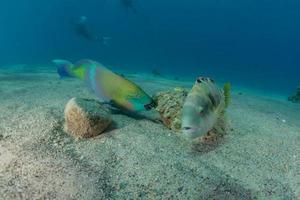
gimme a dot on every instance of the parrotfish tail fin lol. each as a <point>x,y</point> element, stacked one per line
<point>64,68</point>
<point>227,88</point>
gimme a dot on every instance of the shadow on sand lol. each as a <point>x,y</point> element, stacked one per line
<point>203,147</point>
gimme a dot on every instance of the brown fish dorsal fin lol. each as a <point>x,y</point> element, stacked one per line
<point>212,100</point>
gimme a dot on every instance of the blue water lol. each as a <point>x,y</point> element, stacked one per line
<point>252,43</point>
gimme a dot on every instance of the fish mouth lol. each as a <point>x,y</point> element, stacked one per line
<point>150,105</point>
<point>190,132</point>
<point>189,129</point>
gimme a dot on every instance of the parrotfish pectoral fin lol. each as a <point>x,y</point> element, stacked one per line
<point>64,68</point>
<point>227,88</point>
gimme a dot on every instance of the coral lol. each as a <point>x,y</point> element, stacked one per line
<point>169,105</point>
<point>85,118</point>
<point>295,98</point>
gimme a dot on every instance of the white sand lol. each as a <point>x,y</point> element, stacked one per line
<point>258,159</point>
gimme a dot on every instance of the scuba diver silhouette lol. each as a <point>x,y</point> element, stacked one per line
<point>82,30</point>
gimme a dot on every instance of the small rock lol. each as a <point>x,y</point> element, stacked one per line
<point>298,90</point>
<point>86,118</point>
<point>295,98</point>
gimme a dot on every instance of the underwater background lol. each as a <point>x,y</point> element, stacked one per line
<point>58,142</point>
<point>251,43</point>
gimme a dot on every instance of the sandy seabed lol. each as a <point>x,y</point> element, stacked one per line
<point>137,158</point>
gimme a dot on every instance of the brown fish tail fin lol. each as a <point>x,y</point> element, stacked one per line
<point>227,88</point>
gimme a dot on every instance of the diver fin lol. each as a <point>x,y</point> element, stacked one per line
<point>227,88</point>
<point>64,68</point>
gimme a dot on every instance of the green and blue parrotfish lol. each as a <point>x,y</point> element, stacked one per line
<point>203,106</point>
<point>107,85</point>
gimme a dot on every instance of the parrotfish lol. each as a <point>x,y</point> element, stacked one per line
<point>108,86</point>
<point>203,106</point>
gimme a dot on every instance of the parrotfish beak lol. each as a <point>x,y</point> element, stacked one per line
<point>150,105</point>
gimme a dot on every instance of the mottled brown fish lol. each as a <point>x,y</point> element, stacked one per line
<point>204,105</point>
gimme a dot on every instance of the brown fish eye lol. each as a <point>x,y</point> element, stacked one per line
<point>201,113</point>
